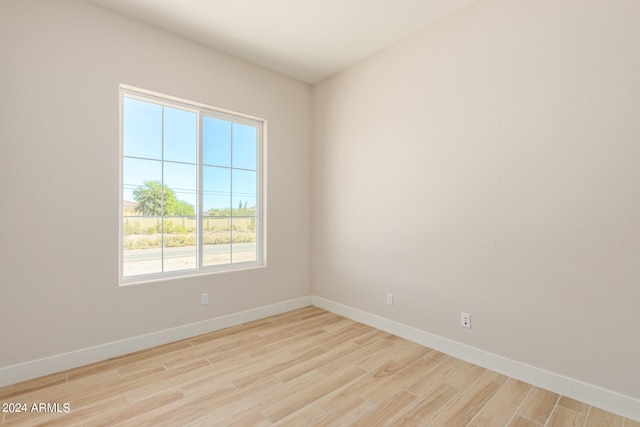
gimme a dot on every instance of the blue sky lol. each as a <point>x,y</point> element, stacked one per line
<point>229,154</point>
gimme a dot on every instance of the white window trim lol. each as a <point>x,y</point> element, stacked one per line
<point>261,212</point>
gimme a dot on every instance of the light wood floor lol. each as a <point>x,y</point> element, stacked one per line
<point>308,367</point>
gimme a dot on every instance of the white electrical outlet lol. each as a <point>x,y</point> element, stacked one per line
<point>204,299</point>
<point>389,299</point>
<point>465,320</point>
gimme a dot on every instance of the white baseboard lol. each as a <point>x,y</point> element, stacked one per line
<point>608,400</point>
<point>587,393</point>
<point>61,362</point>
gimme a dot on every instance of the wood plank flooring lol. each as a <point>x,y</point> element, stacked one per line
<point>307,367</point>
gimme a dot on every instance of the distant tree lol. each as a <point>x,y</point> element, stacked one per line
<point>152,196</point>
<point>184,209</point>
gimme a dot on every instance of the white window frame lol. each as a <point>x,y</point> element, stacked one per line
<point>218,113</point>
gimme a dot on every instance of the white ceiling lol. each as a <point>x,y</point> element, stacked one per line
<point>305,39</point>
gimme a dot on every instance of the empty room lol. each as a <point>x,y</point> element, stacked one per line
<point>314,213</point>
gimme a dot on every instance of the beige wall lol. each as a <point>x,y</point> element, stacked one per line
<point>61,64</point>
<point>491,165</point>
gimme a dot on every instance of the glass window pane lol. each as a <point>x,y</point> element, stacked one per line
<point>165,151</point>
<point>180,135</point>
<point>244,188</point>
<point>145,260</point>
<point>141,222</point>
<point>216,238</point>
<point>179,232</point>
<point>180,181</point>
<point>135,172</point>
<point>142,129</point>
<point>179,239</point>
<point>245,140</point>
<point>216,191</point>
<point>243,251</point>
<point>216,140</point>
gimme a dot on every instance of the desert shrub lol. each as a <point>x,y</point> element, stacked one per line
<point>179,240</point>
<point>171,227</point>
<point>244,237</point>
<point>222,239</point>
<point>141,243</point>
<point>131,227</point>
